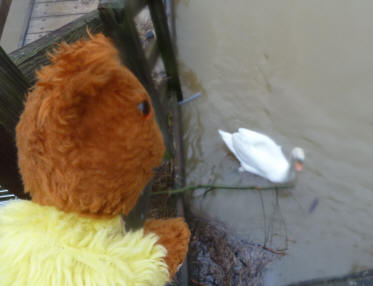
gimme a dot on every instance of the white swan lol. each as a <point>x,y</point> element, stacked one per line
<point>260,155</point>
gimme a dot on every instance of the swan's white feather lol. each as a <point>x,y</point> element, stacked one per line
<point>257,154</point>
<point>227,138</point>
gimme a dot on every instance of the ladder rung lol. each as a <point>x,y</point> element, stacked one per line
<point>7,196</point>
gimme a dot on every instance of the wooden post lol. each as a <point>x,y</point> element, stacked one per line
<point>166,49</point>
<point>166,37</point>
<point>13,88</point>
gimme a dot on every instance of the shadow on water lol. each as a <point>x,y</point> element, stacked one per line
<point>190,80</point>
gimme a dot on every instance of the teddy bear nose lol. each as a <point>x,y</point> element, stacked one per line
<point>144,107</point>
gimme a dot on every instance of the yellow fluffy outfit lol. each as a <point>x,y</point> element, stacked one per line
<point>95,251</point>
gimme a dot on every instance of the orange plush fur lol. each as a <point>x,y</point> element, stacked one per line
<point>84,145</point>
<point>174,236</point>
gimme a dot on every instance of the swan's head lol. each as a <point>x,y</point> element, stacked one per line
<point>298,156</point>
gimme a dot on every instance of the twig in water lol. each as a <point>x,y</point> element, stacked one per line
<point>275,251</point>
<point>222,187</point>
<point>299,204</point>
<point>282,219</point>
<point>207,191</point>
<point>264,219</point>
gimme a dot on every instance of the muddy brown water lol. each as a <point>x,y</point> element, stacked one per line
<point>302,73</point>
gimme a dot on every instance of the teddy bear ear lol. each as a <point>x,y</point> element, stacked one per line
<point>66,97</point>
<point>61,107</point>
<point>78,73</point>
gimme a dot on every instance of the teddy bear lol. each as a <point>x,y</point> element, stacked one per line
<point>88,143</point>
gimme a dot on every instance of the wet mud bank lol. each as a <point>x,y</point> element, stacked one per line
<point>217,257</point>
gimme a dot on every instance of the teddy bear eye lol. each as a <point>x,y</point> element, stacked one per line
<point>144,107</point>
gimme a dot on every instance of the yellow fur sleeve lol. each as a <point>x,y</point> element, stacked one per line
<point>41,245</point>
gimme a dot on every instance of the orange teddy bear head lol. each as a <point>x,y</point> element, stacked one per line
<point>87,139</point>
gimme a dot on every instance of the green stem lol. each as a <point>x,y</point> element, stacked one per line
<point>223,187</point>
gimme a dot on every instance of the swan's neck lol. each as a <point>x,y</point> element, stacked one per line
<point>291,172</point>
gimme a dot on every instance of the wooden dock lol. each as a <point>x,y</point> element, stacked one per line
<point>29,20</point>
<point>49,15</point>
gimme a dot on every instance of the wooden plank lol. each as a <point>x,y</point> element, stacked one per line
<point>179,175</point>
<point>13,87</point>
<point>32,56</point>
<point>33,37</point>
<point>48,24</point>
<point>4,9</point>
<point>159,18</point>
<point>63,8</point>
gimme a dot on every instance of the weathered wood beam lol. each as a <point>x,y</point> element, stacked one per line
<point>13,88</point>
<point>179,168</point>
<point>34,55</point>
<point>62,8</point>
<point>159,18</point>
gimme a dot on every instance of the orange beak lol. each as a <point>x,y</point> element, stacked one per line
<point>298,166</point>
